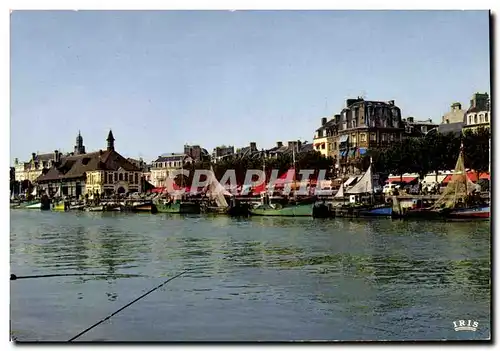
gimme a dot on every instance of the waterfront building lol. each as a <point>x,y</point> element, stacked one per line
<point>363,125</point>
<point>196,152</point>
<point>96,173</point>
<point>288,149</point>
<point>164,165</point>
<point>247,151</point>
<point>417,129</point>
<point>479,113</point>
<point>455,115</point>
<point>31,170</point>
<point>325,138</point>
<point>222,152</point>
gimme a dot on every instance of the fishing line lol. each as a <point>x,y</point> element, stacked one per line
<point>127,305</point>
<point>15,277</point>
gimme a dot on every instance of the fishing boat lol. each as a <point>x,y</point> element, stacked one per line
<point>362,197</point>
<point>322,210</point>
<point>98,208</point>
<point>292,208</point>
<point>178,206</point>
<point>76,207</point>
<point>61,206</point>
<point>478,212</point>
<point>289,210</point>
<point>37,205</point>
<point>144,207</point>
<point>217,203</point>
<point>458,199</point>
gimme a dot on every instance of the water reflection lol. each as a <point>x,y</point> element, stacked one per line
<point>341,277</point>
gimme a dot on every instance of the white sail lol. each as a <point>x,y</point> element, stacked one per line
<point>216,191</point>
<point>364,185</point>
<point>340,193</point>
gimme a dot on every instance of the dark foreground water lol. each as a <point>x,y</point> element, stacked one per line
<point>253,279</point>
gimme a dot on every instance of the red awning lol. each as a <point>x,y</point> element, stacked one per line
<point>471,175</point>
<point>398,179</point>
<point>259,188</point>
<point>158,190</point>
<point>484,176</point>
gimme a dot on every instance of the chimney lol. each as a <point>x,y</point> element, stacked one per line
<point>290,144</point>
<point>299,144</point>
<point>56,156</point>
<point>253,145</point>
<point>16,161</point>
<point>323,121</point>
<point>33,155</point>
<point>410,119</point>
<point>391,102</point>
<point>279,144</point>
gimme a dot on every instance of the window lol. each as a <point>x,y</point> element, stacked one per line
<point>475,119</point>
<point>136,178</point>
<point>384,137</point>
<point>486,117</point>
<point>323,146</point>
<point>111,178</point>
<point>362,137</point>
<point>116,177</point>
<point>373,136</point>
<point>126,177</point>
<point>120,177</point>
<point>391,136</point>
<point>481,118</point>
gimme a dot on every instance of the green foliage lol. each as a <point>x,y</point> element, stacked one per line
<point>432,153</point>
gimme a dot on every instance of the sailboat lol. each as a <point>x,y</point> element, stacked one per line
<point>365,187</point>
<point>294,209</point>
<point>218,204</point>
<point>457,200</point>
<point>176,204</point>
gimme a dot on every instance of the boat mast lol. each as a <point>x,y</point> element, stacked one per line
<point>465,171</point>
<point>371,181</point>
<point>294,169</point>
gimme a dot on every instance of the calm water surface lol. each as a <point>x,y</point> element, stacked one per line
<point>252,279</point>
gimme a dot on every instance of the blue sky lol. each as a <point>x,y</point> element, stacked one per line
<point>164,78</point>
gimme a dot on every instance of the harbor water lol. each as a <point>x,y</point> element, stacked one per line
<point>252,279</point>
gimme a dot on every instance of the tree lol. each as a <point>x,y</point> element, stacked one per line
<point>476,150</point>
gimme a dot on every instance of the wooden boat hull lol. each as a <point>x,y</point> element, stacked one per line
<point>35,206</point>
<point>150,208</point>
<point>385,211</point>
<point>286,211</point>
<point>322,211</point>
<point>179,208</point>
<point>240,210</point>
<point>95,209</point>
<point>482,212</point>
<point>61,207</point>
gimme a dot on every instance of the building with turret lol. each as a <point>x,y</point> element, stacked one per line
<point>96,173</point>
